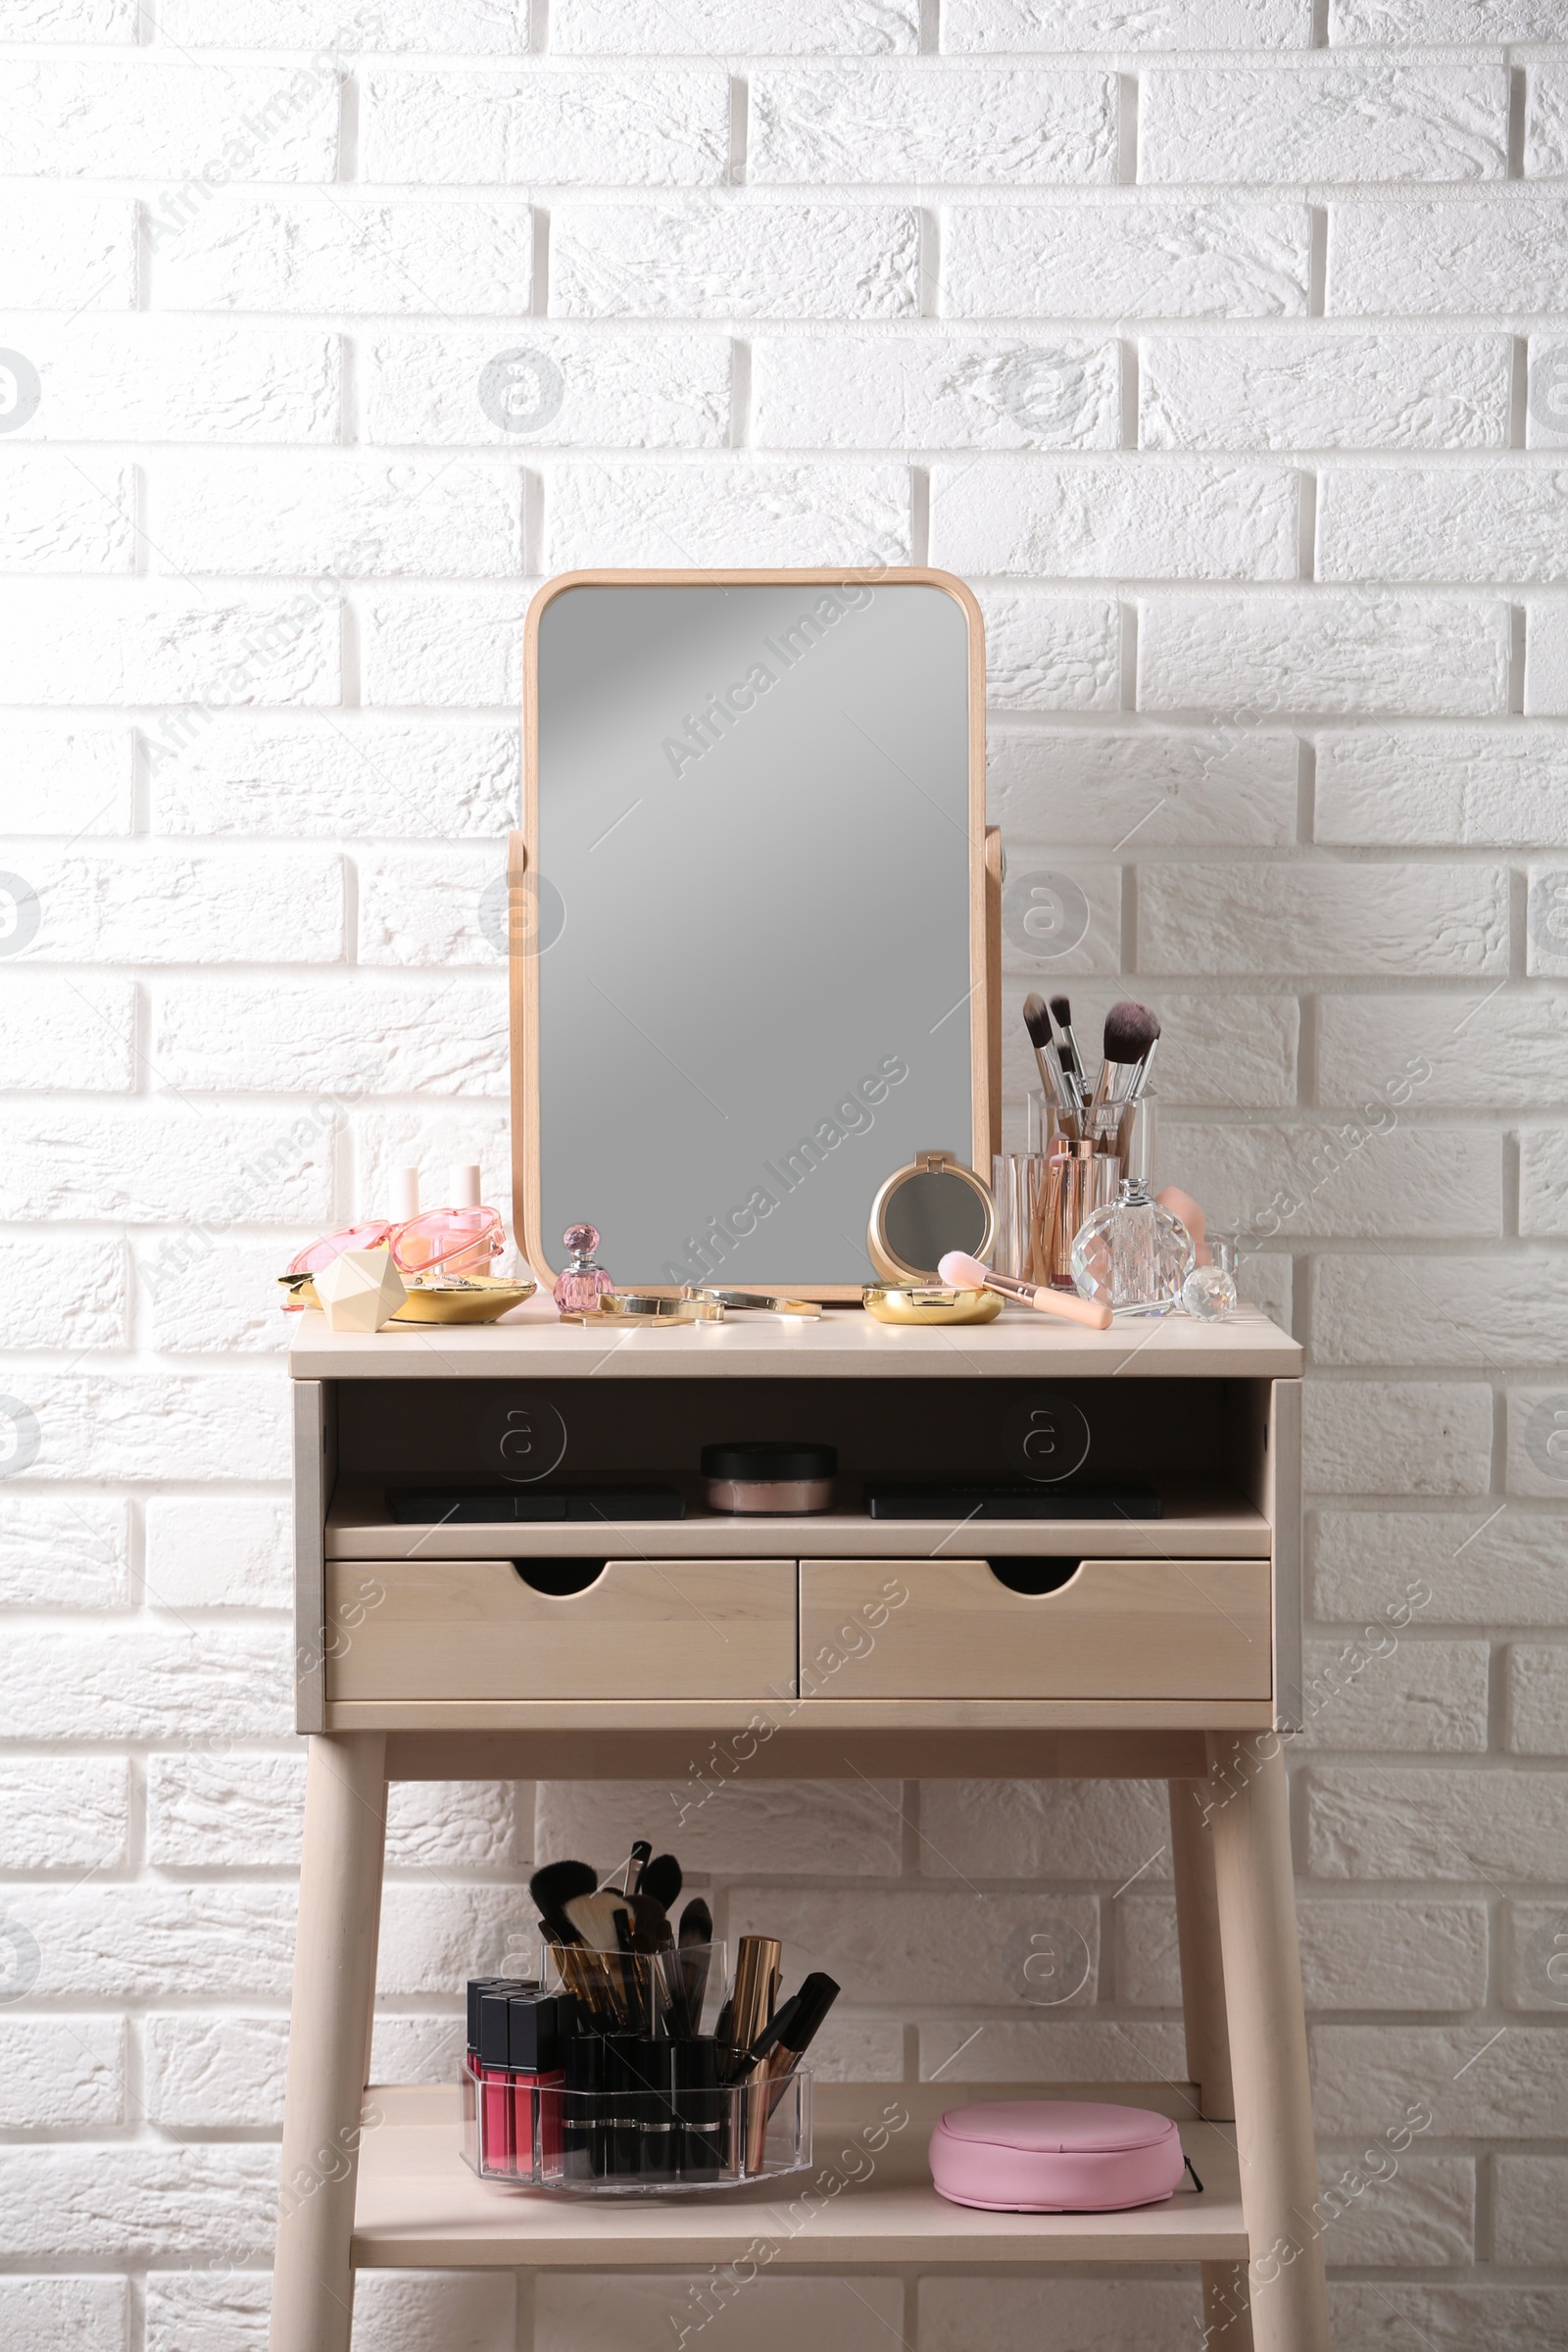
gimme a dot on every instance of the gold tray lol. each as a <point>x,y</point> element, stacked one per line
<point>754,1302</point>
<point>929,1303</point>
<point>463,1299</point>
<point>638,1311</point>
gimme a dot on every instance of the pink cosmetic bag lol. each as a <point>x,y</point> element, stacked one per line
<point>1054,2156</point>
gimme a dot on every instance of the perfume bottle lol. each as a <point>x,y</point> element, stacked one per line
<point>1209,1292</point>
<point>581,1288</point>
<point>450,1243</point>
<point>1132,1255</point>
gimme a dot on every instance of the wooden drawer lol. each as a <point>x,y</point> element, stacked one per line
<point>1116,1629</point>
<point>643,1629</point>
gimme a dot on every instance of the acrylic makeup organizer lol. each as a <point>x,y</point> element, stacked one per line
<point>1085,1649</point>
<point>653,2134</point>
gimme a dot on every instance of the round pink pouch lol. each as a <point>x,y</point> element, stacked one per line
<point>1054,2156</point>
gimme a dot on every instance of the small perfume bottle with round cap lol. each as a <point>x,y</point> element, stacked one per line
<point>584,1282</point>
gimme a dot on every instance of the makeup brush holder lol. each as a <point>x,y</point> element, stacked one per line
<point>629,2116</point>
<point>1081,1176</point>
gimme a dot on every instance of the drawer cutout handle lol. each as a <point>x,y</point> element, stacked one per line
<point>1036,1573</point>
<point>558,1579</point>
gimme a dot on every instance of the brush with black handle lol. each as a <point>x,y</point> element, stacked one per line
<point>694,1957</point>
<point>1072,1060</point>
<point>636,1863</point>
<point>1052,1077</point>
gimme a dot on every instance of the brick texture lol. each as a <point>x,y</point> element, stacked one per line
<point>1219,345</point>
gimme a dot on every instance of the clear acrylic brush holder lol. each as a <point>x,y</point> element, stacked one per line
<point>664,2129</point>
<point>642,2103</point>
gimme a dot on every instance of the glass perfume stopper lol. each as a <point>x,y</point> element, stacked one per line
<point>1210,1291</point>
<point>583,1283</point>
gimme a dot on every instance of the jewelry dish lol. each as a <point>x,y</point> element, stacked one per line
<point>462,1298</point>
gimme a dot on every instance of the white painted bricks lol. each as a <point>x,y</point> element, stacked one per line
<point>1221,347</point>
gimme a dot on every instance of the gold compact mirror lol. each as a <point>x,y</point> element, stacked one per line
<point>933,1205</point>
<point>928,1302</point>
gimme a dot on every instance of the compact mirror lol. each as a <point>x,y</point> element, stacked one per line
<point>933,1205</point>
<point>751,917</point>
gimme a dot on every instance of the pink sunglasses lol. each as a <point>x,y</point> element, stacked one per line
<point>465,1239</point>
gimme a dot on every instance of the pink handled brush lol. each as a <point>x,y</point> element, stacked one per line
<point>966,1273</point>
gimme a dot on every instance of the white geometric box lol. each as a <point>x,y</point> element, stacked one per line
<point>360,1290</point>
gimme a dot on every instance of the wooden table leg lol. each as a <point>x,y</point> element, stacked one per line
<point>1227,2327</point>
<point>1255,1884</point>
<point>334,1990</point>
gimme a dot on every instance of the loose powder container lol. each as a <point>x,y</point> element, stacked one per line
<point>770,1475</point>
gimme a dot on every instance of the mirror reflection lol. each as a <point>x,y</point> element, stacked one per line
<point>753,992</point>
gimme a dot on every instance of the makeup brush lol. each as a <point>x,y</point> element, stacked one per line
<point>651,1930</point>
<point>553,1887</point>
<point>1072,1062</point>
<point>636,1864</point>
<point>1140,1085</point>
<point>663,1881</point>
<point>1130,1032</point>
<point>1037,1020</point>
<point>696,1957</point>
<point>965,1273</point>
<point>556,1886</point>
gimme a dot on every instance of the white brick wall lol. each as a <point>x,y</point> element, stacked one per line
<point>1225,346</point>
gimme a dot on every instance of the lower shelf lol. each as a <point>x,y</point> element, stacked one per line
<point>866,2200</point>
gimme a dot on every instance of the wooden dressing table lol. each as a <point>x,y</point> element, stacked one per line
<point>1155,1647</point>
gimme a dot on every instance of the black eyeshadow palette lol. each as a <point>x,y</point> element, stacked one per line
<point>474,1507</point>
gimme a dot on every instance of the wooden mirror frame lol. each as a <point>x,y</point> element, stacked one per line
<point>985,887</point>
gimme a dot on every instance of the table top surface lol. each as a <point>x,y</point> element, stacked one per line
<point>533,1343</point>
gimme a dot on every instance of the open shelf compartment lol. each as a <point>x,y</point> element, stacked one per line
<point>867,2199</point>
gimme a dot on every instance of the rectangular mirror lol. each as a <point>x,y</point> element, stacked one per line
<point>749,972</point>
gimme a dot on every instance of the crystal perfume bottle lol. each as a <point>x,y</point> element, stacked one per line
<point>584,1282</point>
<point>1209,1292</point>
<point>1133,1255</point>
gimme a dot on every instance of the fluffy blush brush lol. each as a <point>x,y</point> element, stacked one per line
<point>1132,1032</point>
<point>965,1273</point>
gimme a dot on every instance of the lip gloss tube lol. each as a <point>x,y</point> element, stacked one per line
<point>533,2039</point>
<point>498,2144</point>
